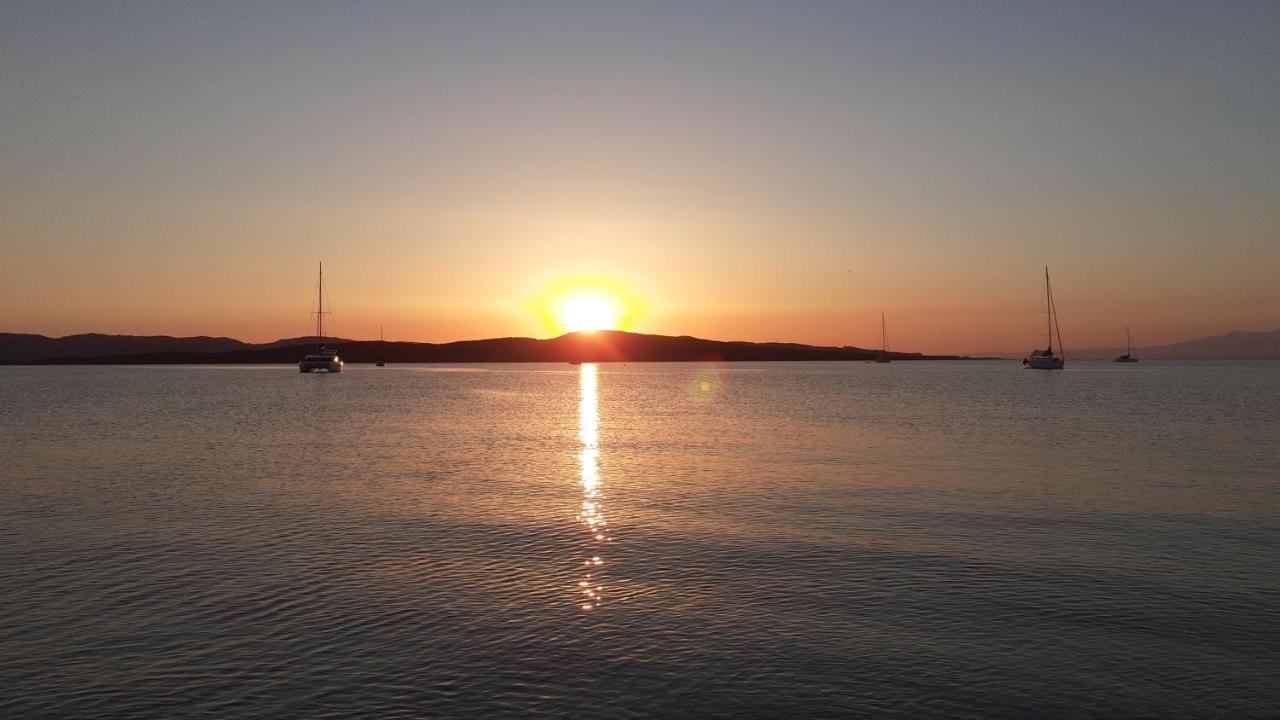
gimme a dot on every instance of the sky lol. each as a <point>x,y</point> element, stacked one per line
<point>738,170</point>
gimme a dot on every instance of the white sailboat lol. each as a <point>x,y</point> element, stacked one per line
<point>1128,356</point>
<point>1046,359</point>
<point>324,360</point>
<point>883,357</point>
<point>381,347</point>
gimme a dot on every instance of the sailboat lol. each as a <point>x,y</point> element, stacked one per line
<point>1128,355</point>
<point>381,341</point>
<point>883,357</point>
<point>1046,359</point>
<point>324,360</point>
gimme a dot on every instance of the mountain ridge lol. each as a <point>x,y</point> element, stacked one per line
<point>599,346</point>
<point>91,348</point>
<point>1233,345</point>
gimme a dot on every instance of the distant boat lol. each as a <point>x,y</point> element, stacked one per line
<point>324,360</point>
<point>1128,356</point>
<point>381,362</point>
<point>883,357</point>
<point>1046,359</point>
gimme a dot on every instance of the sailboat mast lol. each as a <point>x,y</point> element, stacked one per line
<point>884,334</point>
<point>1128,340</point>
<point>1057,329</point>
<point>320,306</point>
<point>1048,306</point>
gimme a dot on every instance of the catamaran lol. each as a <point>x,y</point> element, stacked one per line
<point>883,357</point>
<point>1046,359</point>
<point>324,360</point>
<point>1128,355</point>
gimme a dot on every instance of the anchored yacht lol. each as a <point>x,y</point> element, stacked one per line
<point>1046,359</point>
<point>1128,356</point>
<point>883,357</point>
<point>325,359</point>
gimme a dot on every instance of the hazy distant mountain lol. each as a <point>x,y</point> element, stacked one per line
<point>605,346</point>
<point>1237,345</point>
<point>16,347</point>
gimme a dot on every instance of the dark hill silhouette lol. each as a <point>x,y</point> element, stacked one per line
<point>299,341</point>
<point>603,346</point>
<point>16,347</point>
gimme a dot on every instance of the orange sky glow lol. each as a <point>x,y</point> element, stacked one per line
<point>760,175</point>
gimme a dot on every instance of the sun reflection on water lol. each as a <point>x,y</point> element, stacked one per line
<point>591,515</point>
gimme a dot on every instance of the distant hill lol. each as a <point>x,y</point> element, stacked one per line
<point>16,347</point>
<point>305,340</point>
<point>604,346</point>
<point>1237,345</point>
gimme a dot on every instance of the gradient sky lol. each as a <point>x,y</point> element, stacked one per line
<point>759,171</point>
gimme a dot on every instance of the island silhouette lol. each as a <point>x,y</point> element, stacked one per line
<point>594,346</point>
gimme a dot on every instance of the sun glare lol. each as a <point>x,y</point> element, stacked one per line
<point>585,310</point>
<point>585,304</point>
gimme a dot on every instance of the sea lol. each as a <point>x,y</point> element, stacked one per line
<point>744,540</point>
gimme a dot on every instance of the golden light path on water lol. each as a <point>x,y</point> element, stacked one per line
<point>592,513</point>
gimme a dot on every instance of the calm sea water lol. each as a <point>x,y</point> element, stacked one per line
<point>959,540</point>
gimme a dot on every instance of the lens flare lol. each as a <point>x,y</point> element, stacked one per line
<point>705,385</point>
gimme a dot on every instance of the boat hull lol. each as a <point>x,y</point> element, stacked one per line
<point>331,366</point>
<point>1043,363</point>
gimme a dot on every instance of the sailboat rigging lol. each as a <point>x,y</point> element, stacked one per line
<point>1128,356</point>
<point>325,359</point>
<point>883,357</point>
<point>1046,359</point>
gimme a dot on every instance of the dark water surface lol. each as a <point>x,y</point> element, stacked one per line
<point>792,540</point>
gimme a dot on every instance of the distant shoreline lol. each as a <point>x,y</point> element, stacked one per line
<point>128,361</point>
<point>600,346</point>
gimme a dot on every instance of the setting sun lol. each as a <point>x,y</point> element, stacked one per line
<point>585,304</point>
<point>587,310</point>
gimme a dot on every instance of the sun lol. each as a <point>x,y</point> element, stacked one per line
<point>586,310</point>
<point>586,305</point>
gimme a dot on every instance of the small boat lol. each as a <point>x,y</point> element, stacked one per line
<point>575,362</point>
<point>883,357</point>
<point>326,359</point>
<point>1046,359</point>
<point>381,362</point>
<point>1128,356</point>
